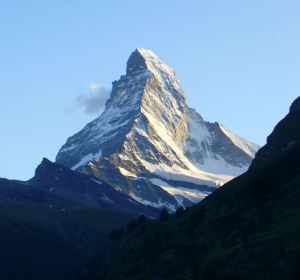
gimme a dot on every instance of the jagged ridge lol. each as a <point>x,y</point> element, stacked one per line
<point>148,132</point>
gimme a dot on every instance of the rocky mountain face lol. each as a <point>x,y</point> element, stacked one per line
<point>248,229</point>
<point>150,145</point>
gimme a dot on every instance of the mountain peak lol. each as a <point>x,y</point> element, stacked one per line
<point>135,63</point>
<point>147,54</point>
<point>147,131</point>
<point>45,166</point>
<point>143,59</point>
<point>45,161</point>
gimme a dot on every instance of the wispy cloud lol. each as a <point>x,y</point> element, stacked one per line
<point>93,101</point>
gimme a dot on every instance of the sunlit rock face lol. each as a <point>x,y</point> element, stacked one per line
<point>149,144</point>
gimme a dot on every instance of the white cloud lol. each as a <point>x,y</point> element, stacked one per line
<point>93,102</point>
<point>95,87</point>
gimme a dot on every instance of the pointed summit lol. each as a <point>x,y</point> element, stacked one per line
<point>147,54</point>
<point>141,99</point>
<point>147,133</point>
<point>135,63</point>
<point>137,60</point>
<point>143,60</point>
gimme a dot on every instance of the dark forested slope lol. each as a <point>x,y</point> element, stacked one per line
<point>248,229</point>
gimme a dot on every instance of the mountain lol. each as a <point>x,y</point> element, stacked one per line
<point>54,223</point>
<point>57,186</point>
<point>248,229</point>
<point>160,151</point>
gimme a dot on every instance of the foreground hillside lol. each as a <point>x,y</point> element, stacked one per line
<point>248,229</point>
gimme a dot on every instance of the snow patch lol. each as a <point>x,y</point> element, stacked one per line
<point>193,195</point>
<point>160,204</point>
<point>126,172</point>
<point>86,159</point>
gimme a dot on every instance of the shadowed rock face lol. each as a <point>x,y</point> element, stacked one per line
<point>148,132</point>
<point>135,63</point>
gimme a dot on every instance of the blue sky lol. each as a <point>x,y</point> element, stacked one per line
<point>238,61</point>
